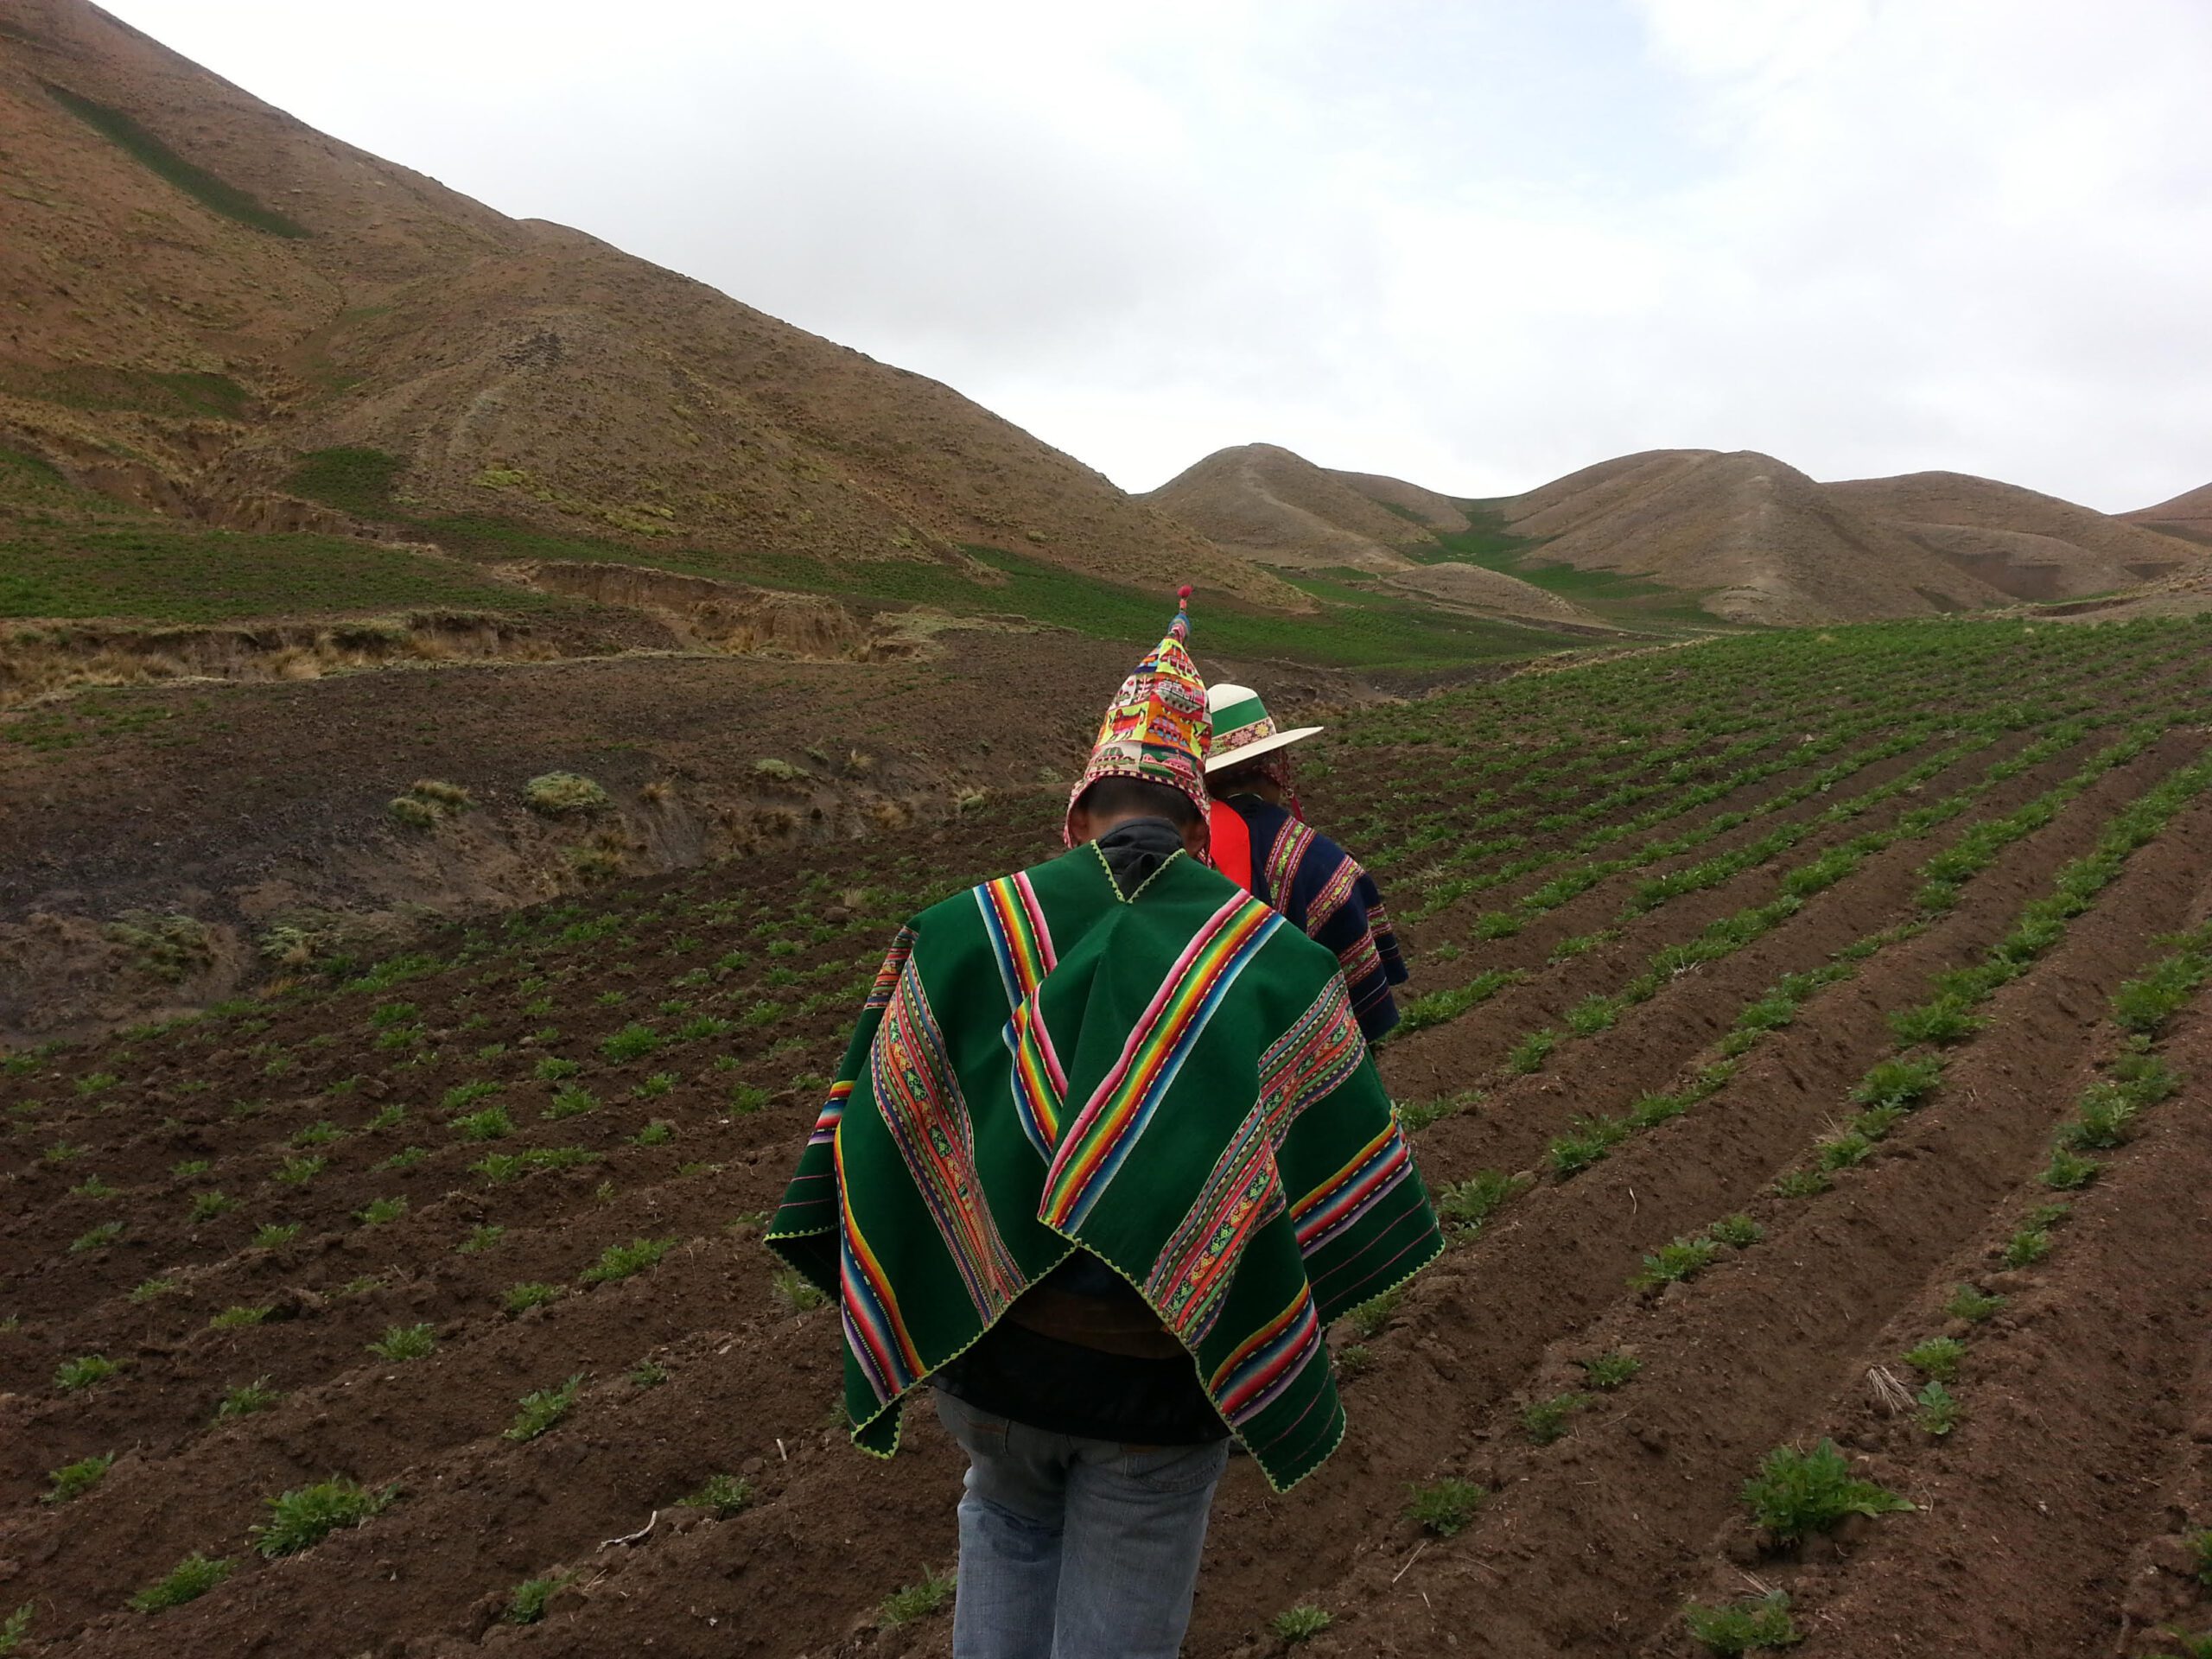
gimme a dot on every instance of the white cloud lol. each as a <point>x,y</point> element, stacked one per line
<point>1475,244</point>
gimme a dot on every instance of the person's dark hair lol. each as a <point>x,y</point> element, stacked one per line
<point>1137,798</point>
<point>1235,779</point>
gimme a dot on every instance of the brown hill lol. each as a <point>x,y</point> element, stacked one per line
<point>1278,508</point>
<point>2189,514</point>
<point>2030,545</point>
<point>199,289</point>
<point>1758,540</point>
<point>1263,501</point>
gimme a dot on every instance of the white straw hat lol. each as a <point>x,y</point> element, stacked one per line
<point>1243,728</point>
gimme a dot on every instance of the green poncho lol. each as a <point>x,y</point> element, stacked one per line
<point>1174,1080</point>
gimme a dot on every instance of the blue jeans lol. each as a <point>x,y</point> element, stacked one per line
<point>1072,1548</point>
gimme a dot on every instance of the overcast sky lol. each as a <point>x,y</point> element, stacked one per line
<point>1475,243</point>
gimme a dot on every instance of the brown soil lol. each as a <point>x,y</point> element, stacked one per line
<point>2189,514</point>
<point>1276,506</point>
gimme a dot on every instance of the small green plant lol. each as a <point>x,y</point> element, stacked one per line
<point>573,1101</point>
<point>378,1211</point>
<point>1740,1627</point>
<point>1939,1411</point>
<point>1610,1370</point>
<point>552,1068</point>
<point>2199,1544</point>
<point>796,1291</point>
<point>2025,1248</point>
<point>245,1399</point>
<point>14,1627</point>
<point>657,1132</point>
<point>2192,1647</point>
<point>405,1159</point>
<point>316,1135</point>
<point>633,1042</point>
<point>1948,1019</point>
<point>745,1098</point>
<point>561,794</point>
<point>1301,1623</point>
<point>206,1206</point>
<point>190,1168</point>
<point>1843,1149</point>
<point>1739,1232</point>
<point>1531,1052</point>
<point>74,1480</point>
<point>1545,1421</point>
<point>491,1124</point>
<point>1938,1357</point>
<point>93,1187</point>
<point>148,1290</point>
<point>1466,1206</point>
<point>541,1409</point>
<point>1972,1305</point>
<point>648,1375</point>
<point>520,1298</point>
<point>86,1370</point>
<point>298,1170</point>
<point>1797,1492</point>
<point>2069,1171</point>
<point>464,1095</point>
<point>618,1262</point>
<point>304,1517</point>
<point>482,1237</point>
<point>404,1342</point>
<point>527,1602</point>
<point>1353,1359</point>
<point>96,1239</point>
<point>915,1600</point>
<point>2104,1119</point>
<point>655,1086</point>
<point>189,1579</point>
<point>1445,1507</point>
<point>722,1496</point>
<point>272,1233</point>
<point>1900,1083</point>
<point>237,1317</point>
<point>1801,1183</point>
<point>1368,1320</point>
<point>1674,1263</point>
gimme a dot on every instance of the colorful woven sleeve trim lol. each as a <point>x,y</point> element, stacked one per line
<point>918,1093</point>
<point>1117,1112</point>
<point>875,1333</point>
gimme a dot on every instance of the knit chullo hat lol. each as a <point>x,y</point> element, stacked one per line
<point>1156,729</point>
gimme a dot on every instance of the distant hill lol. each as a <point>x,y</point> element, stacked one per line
<point>2188,515</point>
<point>1278,508</point>
<point>2029,545</point>
<point>1756,538</point>
<point>197,291</point>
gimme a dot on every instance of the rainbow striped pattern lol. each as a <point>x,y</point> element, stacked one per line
<point>1234,1155</point>
<point>1115,1117</point>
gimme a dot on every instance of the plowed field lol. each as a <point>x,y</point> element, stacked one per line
<point>1806,1051</point>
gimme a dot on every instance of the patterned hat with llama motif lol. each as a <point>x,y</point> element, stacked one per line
<point>1157,728</point>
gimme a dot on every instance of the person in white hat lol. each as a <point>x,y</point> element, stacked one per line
<point>1261,841</point>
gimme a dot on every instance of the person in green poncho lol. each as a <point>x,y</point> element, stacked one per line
<point>1106,1155</point>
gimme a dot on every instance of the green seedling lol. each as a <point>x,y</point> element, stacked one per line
<point>633,1042</point>
<point>482,1237</point>
<point>541,1409</point>
<point>648,1375</point>
<point>2199,1545</point>
<point>378,1211</point>
<point>655,1134</point>
<point>527,1602</point>
<point>1546,1421</point>
<point>1368,1320</point>
<point>1529,1054</point>
<point>1802,1183</point>
<point>2027,1247</point>
<point>1843,1149</point>
<point>1301,1623</point>
<point>86,1370</point>
<point>1672,1263</point>
<point>96,1239</point>
<point>1939,1411</point>
<point>1610,1370</point>
<point>1938,1357</point>
<point>405,1341</point>
<point>573,1100</point>
<point>1739,1232</point>
<point>1445,1507</point>
<point>93,1187</point>
<point>74,1480</point>
<point>1744,1626</point>
<point>2069,1171</point>
<point>2192,1647</point>
<point>1799,1492</point>
<point>148,1290</point>
<point>246,1398</point>
<point>189,1579</point>
<point>618,1262</point>
<point>1352,1360</point>
<point>499,1167</point>
<point>272,1233</point>
<point>297,1170</point>
<point>520,1298</point>
<point>206,1206</point>
<point>15,1628</point>
<point>190,1168</point>
<point>237,1317</point>
<point>406,1158</point>
<point>796,1291</point>
<point>490,1123</point>
<point>722,1496</point>
<point>1467,1205</point>
<point>303,1518</point>
<point>1972,1305</point>
<point>915,1600</point>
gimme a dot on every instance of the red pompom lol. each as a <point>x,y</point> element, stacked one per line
<point>1183,592</point>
